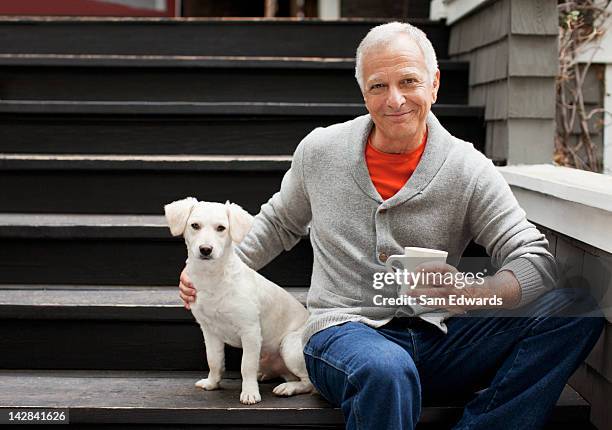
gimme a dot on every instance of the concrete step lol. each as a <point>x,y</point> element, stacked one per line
<point>164,399</point>
<point>197,79</point>
<point>202,36</point>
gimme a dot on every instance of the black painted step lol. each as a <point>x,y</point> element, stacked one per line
<point>120,250</point>
<point>187,127</point>
<point>160,398</point>
<point>106,184</point>
<point>197,79</point>
<point>97,302</point>
<point>181,36</point>
<point>135,328</point>
<point>111,250</point>
<point>157,397</point>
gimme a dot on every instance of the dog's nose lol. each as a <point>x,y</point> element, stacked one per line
<point>205,250</point>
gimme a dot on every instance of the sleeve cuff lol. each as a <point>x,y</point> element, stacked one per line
<point>528,278</point>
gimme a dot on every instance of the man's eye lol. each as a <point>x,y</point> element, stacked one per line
<point>220,228</point>
<point>408,81</point>
<point>377,86</point>
<point>195,226</point>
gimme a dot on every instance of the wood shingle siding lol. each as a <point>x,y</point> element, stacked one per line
<point>512,49</point>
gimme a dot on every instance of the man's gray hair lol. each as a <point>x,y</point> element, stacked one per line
<point>383,34</point>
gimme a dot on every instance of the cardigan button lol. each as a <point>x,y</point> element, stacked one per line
<point>382,257</point>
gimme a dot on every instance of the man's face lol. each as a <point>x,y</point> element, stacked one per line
<point>398,91</point>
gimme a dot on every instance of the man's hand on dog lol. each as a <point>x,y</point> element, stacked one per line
<point>186,290</point>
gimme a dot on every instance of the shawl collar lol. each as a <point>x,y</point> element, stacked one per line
<point>436,151</point>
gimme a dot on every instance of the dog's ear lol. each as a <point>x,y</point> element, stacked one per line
<point>240,221</point>
<point>177,214</point>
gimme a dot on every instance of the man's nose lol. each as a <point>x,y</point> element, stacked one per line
<point>205,250</point>
<point>395,99</point>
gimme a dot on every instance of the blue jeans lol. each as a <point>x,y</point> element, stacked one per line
<point>509,371</point>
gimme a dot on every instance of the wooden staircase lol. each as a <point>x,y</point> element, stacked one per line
<point>102,122</point>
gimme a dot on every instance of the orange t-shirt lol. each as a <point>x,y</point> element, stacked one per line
<point>389,172</point>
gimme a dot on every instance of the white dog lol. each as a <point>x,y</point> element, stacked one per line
<point>235,304</point>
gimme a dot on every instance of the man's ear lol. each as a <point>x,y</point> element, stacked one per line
<point>177,214</point>
<point>240,221</point>
<point>435,87</point>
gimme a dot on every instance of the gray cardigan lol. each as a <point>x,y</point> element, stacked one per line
<point>454,195</point>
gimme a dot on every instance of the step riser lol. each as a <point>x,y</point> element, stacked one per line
<point>106,345</point>
<point>324,85</point>
<point>152,135</point>
<point>213,37</point>
<point>145,262</point>
<point>123,262</point>
<point>178,134</point>
<point>130,192</point>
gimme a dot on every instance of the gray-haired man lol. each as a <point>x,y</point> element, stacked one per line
<point>364,189</point>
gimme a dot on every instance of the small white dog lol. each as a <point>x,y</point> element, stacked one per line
<point>236,305</point>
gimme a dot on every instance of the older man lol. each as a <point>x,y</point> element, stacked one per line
<point>366,188</point>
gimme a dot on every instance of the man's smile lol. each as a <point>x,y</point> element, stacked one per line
<point>398,116</point>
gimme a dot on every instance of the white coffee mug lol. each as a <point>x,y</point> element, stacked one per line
<point>413,256</point>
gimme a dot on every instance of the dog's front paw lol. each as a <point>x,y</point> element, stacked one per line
<point>250,397</point>
<point>207,384</point>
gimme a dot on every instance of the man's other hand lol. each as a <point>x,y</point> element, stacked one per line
<point>483,292</point>
<point>186,289</point>
<point>439,280</point>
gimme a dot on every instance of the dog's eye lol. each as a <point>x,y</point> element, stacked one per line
<point>195,226</point>
<point>220,228</point>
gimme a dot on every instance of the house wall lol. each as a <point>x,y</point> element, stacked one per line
<point>512,49</point>
<point>585,266</point>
